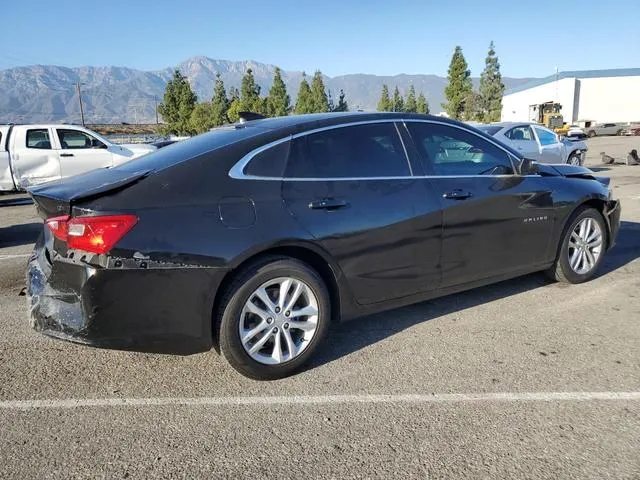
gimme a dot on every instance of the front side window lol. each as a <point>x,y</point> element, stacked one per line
<point>448,150</point>
<point>520,133</point>
<point>359,151</point>
<point>546,137</point>
<point>73,139</point>
<point>39,138</point>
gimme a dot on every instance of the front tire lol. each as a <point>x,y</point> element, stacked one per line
<point>581,249</point>
<point>574,159</point>
<point>273,317</point>
<point>592,134</point>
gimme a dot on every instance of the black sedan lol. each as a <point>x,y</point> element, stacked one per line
<point>254,237</point>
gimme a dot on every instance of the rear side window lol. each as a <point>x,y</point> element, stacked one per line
<point>38,138</point>
<point>359,151</point>
<point>489,130</point>
<point>270,162</point>
<point>447,150</point>
<point>520,133</point>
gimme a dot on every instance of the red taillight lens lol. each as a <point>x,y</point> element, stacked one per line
<point>58,226</point>
<point>92,234</point>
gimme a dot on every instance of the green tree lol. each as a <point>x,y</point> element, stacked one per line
<point>410,104</point>
<point>219,103</point>
<point>202,118</point>
<point>385,105</point>
<point>491,88</point>
<point>250,93</point>
<point>398,101</point>
<point>342,106</point>
<point>332,106</point>
<point>422,106</point>
<point>459,85</point>
<point>319,99</point>
<point>472,107</point>
<point>177,105</point>
<point>278,101</point>
<point>303,102</point>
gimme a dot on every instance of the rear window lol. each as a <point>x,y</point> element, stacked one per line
<point>187,149</point>
<point>489,129</point>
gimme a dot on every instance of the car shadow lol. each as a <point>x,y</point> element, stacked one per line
<point>357,334</point>
<point>15,235</point>
<point>599,169</point>
<point>13,202</point>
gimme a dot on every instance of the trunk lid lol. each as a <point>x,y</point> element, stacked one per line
<point>57,197</point>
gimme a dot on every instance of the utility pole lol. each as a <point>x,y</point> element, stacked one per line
<point>80,100</point>
<point>155,98</point>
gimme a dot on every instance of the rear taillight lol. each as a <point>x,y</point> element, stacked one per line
<point>58,226</point>
<point>92,234</point>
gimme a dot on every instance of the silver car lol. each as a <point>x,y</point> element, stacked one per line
<point>604,129</point>
<point>537,142</point>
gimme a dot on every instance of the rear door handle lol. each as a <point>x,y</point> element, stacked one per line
<point>328,204</point>
<point>66,154</point>
<point>457,195</point>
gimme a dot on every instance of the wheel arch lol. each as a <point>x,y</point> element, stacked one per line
<point>306,253</point>
<point>594,202</point>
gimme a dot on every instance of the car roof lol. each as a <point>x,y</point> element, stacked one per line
<point>314,120</point>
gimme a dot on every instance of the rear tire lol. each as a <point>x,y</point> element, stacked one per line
<point>288,347</point>
<point>586,230</point>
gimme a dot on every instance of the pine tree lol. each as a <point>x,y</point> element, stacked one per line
<point>332,107</point>
<point>385,105</point>
<point>202,118</point>
<point>177,105</point>
<point>459,85</point>
<point>422,104</point>
<point>319,100</point>
<point>410,104</point>
<point>233,113</point>
<point>491,89</point>
<point>250,93</point>
<point>398,101</point>
<point>278,101</point>
<point>472,107</point>
<point>342,103</point>
<point>303,102</point>
<point>219,103</point>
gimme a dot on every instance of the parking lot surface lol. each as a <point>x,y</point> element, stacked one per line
<point>523,379</point>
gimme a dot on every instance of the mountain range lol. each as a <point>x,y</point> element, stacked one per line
<point>48,93</point>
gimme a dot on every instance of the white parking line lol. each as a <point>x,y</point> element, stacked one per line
<point>17,255</point>
<point>320,400</point>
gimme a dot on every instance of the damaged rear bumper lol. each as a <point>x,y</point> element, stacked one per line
<point>160,310</point>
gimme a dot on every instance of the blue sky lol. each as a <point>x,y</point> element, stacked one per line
<point>349,36</point>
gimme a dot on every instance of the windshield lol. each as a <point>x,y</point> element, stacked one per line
<point>489,129</point>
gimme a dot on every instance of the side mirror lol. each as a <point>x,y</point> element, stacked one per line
<point>528,167</point>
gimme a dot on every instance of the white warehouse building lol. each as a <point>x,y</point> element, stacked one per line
<point>591,95</point>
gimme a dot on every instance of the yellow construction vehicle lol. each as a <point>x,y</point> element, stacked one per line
<point>548,114</point>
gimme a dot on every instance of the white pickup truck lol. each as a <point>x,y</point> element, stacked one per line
<point>33,154</point>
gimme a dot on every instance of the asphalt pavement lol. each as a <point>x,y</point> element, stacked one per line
<point>522,379</point>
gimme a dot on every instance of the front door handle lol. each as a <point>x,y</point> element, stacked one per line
<point>457,195</point>
<point>328,204</point>
<point>66,154</point>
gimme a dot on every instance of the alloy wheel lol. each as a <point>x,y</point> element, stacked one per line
<point>278,321</point>
<point>585,246</point>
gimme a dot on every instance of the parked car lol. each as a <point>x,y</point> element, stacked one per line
<point>603,129</point>
<point>537,142</point>
<point>254,237</point>
<point>33,154</point>
<point>631,130</point>
<point>576,132</point>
